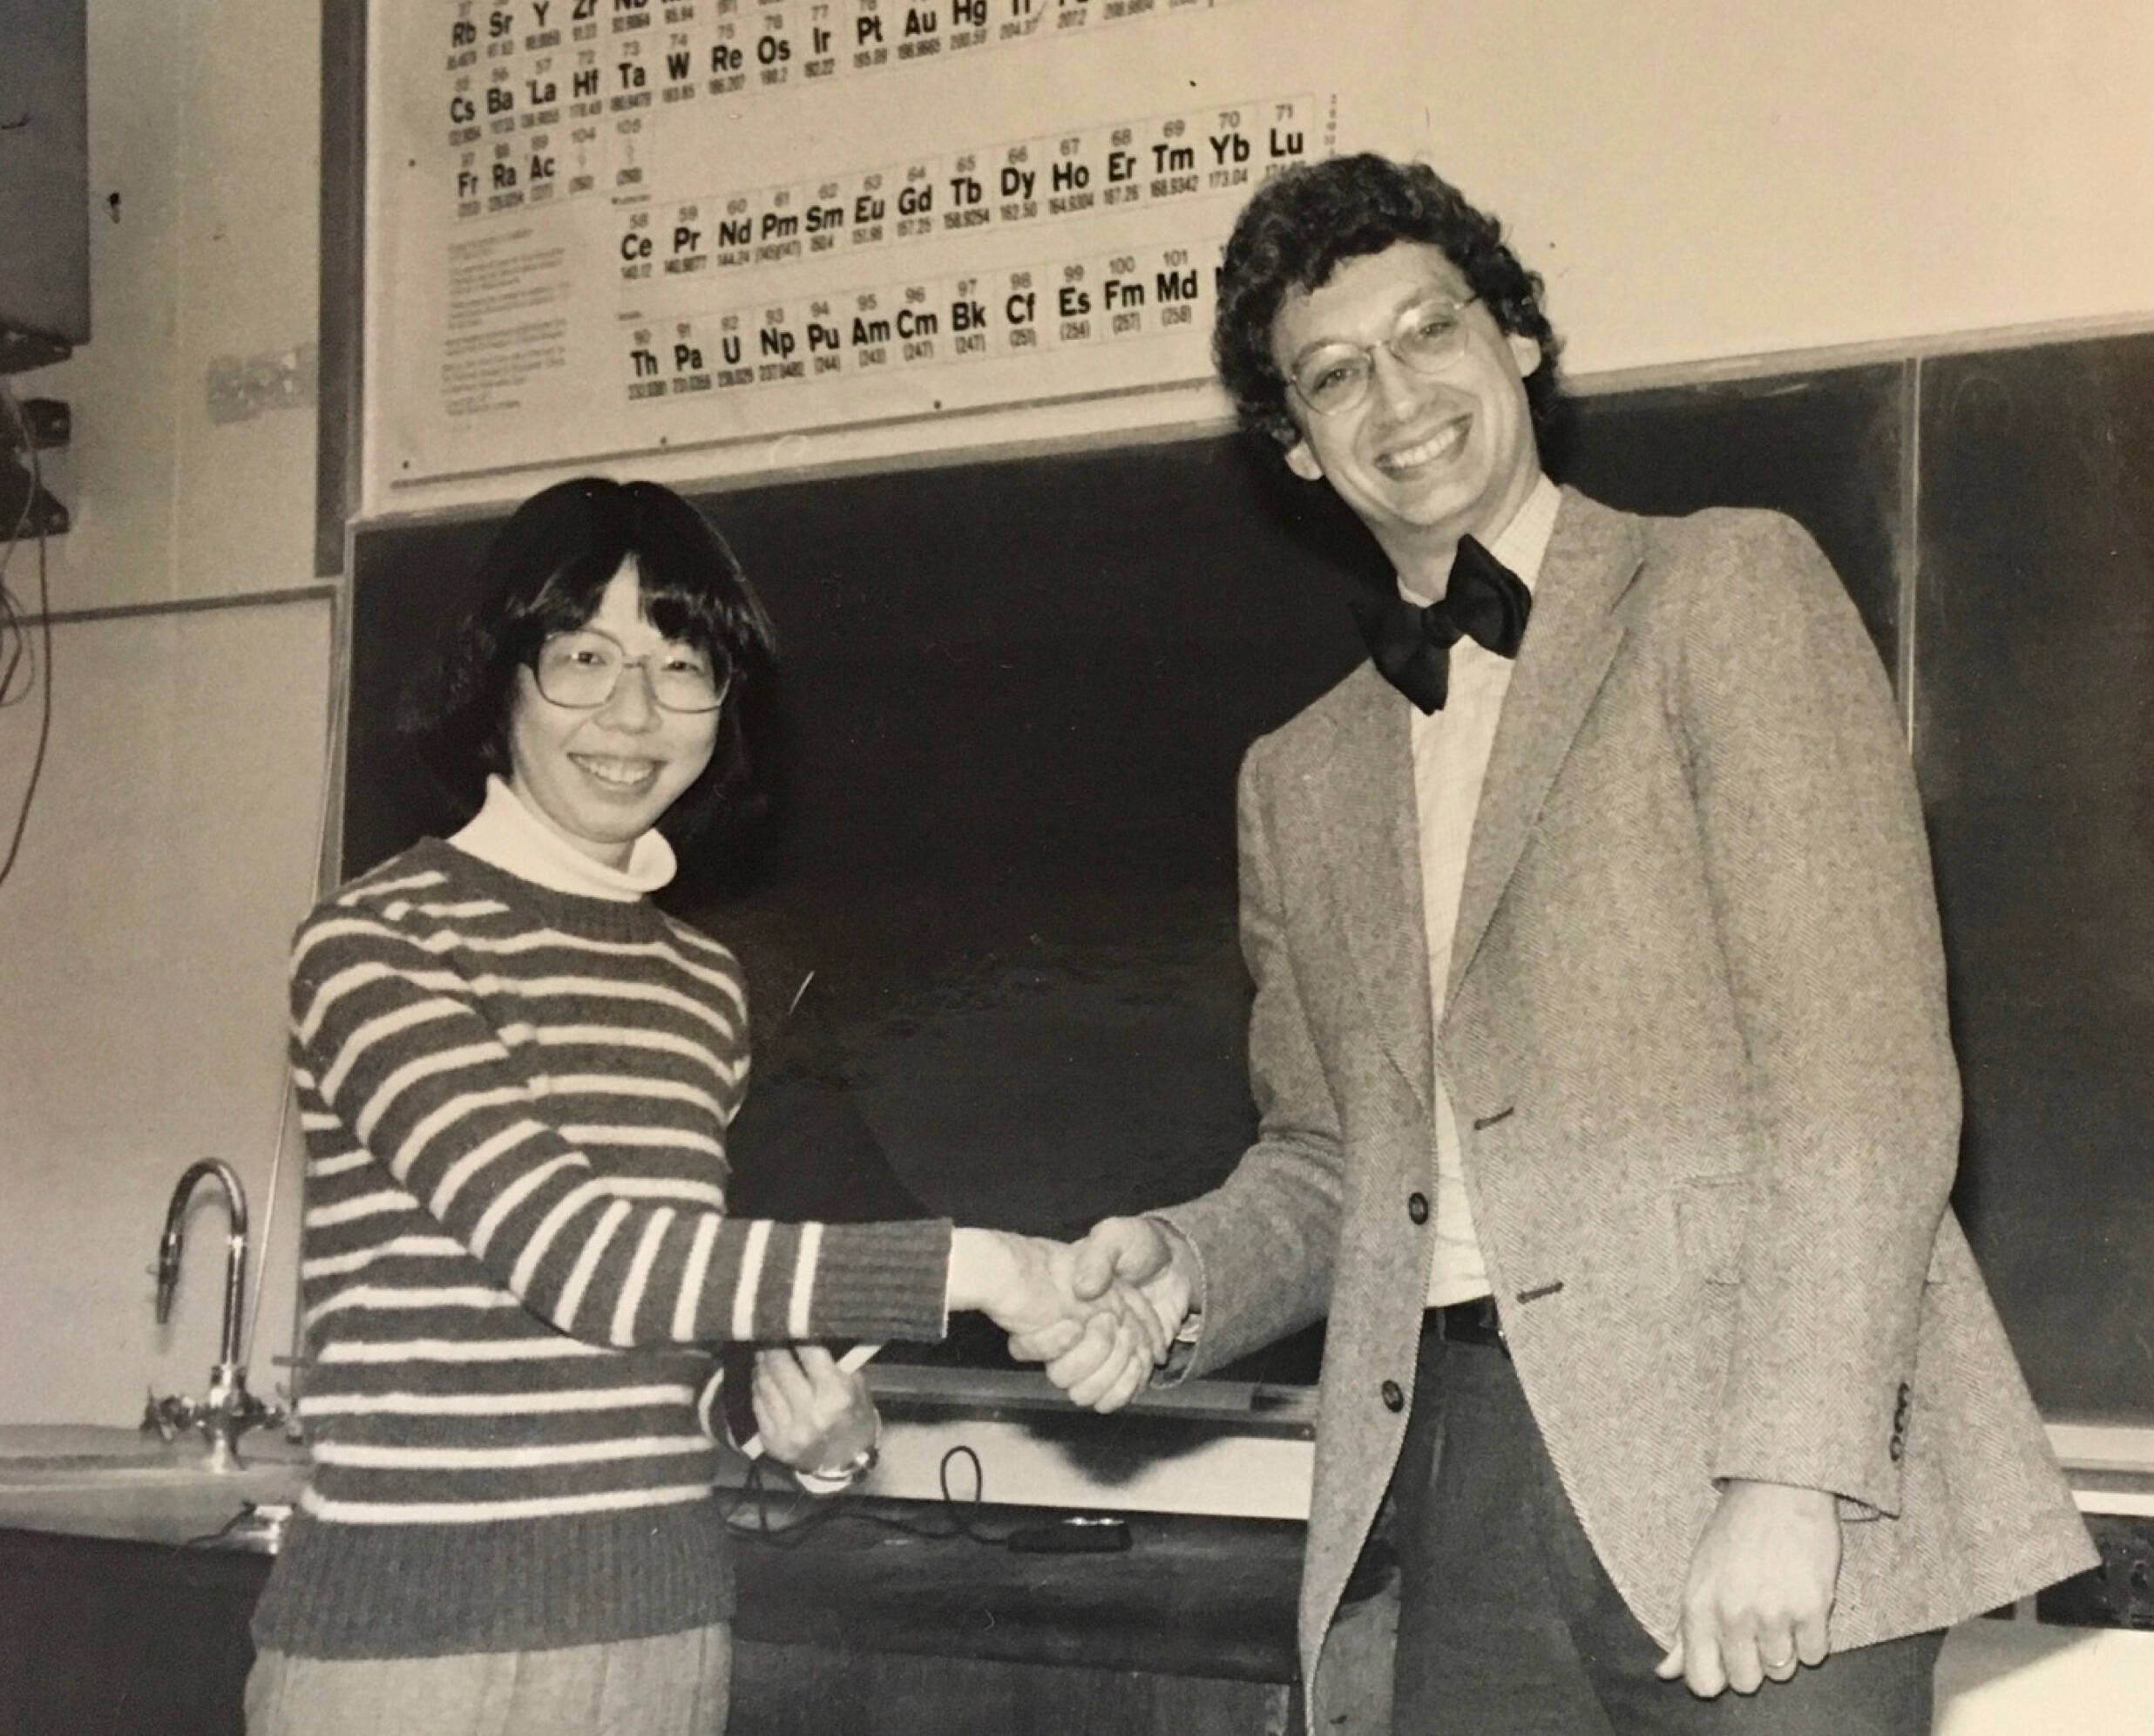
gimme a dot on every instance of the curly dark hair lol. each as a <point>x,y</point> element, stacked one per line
<point>544,572</point>
<point>1306,221</point>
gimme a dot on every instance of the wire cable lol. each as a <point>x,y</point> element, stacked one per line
<point>806,1514</point>
<point>13,636</point>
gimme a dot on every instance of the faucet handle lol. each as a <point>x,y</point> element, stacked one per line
<point>256,1412</point>
<point>165,1418</point>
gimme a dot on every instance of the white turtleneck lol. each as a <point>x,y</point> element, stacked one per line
<point>507,834</point>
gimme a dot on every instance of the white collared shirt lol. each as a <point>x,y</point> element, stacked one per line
<point>1450,750</point>
<point>507,834</point>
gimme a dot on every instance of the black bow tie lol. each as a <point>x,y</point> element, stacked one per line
<point>1411,643</point>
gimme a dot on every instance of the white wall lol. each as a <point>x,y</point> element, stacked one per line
<point>170,854</point>
<point>1704,179</point>
<point>170,849</point>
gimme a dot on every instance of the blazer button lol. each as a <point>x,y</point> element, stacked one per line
<point>1394,1400</point>
<point>1417,1207</point>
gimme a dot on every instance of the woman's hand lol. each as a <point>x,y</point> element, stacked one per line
<point>812,1414</point>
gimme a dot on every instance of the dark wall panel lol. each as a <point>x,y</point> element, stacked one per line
<point>2035,745</point>
<point>1832,449</point>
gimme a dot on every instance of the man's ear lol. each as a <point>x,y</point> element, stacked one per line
<point>1303,462</point>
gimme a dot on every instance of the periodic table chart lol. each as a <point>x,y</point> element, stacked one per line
<point>725,235</point>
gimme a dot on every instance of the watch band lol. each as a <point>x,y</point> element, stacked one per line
<point>832,1479</point>
<point>853,1469</point>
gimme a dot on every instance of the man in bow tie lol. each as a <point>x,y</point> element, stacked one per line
<point>1608,1105</point>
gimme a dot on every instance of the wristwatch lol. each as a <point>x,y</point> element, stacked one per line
<point>830,1479</point>
<point>854,1469</point>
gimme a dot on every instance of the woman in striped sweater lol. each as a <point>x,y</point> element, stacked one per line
<point>515,1075</point>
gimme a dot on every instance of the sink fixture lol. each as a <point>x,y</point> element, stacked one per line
<point>227,1410</point>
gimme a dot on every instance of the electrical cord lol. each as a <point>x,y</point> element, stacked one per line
<point>209,1540</point>
<point>808,1515</point>
<point>15,643</point>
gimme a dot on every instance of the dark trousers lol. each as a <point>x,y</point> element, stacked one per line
<point>1508,1626</point>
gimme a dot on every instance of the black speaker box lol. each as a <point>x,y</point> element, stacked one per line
<point>45,188</point>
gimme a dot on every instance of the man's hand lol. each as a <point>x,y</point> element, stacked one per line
<point>1761,1588</point>
<point>810,1412</point>
<point>1098,1348</point>
<point>1133,1257</point>
<point>1142,1252</point>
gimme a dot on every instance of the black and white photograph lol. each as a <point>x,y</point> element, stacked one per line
<point>1061,867</point>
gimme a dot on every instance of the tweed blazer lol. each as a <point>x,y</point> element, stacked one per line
<point>1696,1040</point>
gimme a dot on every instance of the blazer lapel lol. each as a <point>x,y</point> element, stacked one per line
<point>1364,801</point>
<point>1570,641</point>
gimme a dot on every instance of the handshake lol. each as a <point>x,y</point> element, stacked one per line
<point>1101,1314</point>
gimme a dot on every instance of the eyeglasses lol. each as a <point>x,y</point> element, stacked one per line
<point>1429,338</point>
<point>581,670</point>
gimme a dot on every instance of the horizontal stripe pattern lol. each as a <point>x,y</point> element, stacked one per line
<point>493,1512</point>
<point>492,1404</point>
<point>516,1255</point>
<point>510,1458</point>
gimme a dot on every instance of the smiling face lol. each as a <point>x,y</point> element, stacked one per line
<point>1422,459</point>
<point>602,777</point>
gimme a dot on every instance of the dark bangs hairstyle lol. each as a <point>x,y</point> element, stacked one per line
<point>1304,222</point>
<point>545,572</point>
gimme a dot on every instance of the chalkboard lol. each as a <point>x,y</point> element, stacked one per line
<point>1001,861</point>
<point>2035,745</point>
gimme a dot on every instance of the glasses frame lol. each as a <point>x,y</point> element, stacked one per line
<point>1407,317</point>
<point>538,680</point>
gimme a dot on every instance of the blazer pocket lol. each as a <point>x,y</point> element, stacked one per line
<point>1710,1217</point>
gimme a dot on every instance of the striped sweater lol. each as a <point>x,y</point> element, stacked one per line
<point>516,1260</point>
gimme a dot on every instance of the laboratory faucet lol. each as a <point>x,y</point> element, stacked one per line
<point>229,1410</point>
